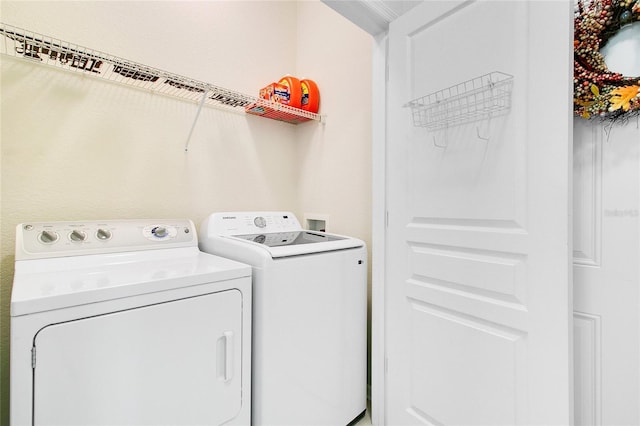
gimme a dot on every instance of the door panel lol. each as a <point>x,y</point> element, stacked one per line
<point>172,363</point>
<point>478,283</point>
<point>484,187</point>
<point>607,296</point>
<point>488,356</point>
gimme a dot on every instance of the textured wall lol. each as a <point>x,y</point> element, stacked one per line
<point>75,148</point>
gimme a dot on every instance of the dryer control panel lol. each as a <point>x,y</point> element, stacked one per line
<point>37,240</point>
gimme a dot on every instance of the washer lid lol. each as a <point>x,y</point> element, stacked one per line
<point>283,244</point>
<point>47,284</point>
<point>278,233</point>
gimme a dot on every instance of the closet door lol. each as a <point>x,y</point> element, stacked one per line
<point>606,274</point>
<point>478,280</point>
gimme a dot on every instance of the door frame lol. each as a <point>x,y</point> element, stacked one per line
<point>379,225</point>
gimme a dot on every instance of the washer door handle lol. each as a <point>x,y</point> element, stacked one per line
<point>225,356</point>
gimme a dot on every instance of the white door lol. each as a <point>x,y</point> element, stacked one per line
<point>174,363</point>
<point>606,273</point>
<point>478,277</point>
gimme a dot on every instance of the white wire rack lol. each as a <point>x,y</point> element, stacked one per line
<point>47,50</point>
<point>474,100</point>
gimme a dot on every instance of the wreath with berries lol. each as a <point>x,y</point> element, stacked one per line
<point>597,91</point>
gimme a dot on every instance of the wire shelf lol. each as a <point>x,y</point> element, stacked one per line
<point>277,111</point>
<point>474,100</point>
<point>72,57</point>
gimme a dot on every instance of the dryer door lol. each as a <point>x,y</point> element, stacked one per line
<point>176,363</point>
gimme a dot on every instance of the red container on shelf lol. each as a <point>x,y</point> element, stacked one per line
<point>290,92</point>
<point>287,91</point>
<point>310,100</point>
<point>295,90</point>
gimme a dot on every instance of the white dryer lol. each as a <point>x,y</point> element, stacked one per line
<point>127,323</point>
<point>309,316</point>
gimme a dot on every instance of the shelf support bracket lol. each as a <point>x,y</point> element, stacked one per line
<point>436,143</point>
<point>478,135</point>
<point>195,120</point>
<point>488,131</point>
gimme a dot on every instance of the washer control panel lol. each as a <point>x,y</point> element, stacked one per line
<point>243,223</point>
<point>55,239</point>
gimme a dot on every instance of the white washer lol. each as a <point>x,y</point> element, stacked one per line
<point>309,316</point>
<point>127,323</point>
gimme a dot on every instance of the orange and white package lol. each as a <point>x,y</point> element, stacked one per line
<point>276,92</point>
<point>271,91</point>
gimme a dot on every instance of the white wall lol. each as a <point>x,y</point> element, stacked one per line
<point>76,148</point>
<point>335,159</point>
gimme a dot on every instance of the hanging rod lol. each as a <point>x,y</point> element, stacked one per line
<point>72,57</point>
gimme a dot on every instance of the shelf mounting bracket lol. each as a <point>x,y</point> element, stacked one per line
<point>195,120</point>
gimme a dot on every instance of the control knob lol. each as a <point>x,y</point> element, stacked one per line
<point>103,234</point>
<point>77,236</point>
<point>48,237</point>
<point>260,222</point>
<point>160,231</point>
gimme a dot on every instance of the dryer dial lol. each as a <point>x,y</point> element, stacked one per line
<point>48,237</point>
<point>160,231</point>
<point>77,236</point>
<point>103,234</point>
<point>260,222</point>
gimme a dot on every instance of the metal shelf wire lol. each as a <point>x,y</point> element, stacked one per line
<point>278,111</point>
<point>474,100</point>
<point>54,52</point>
